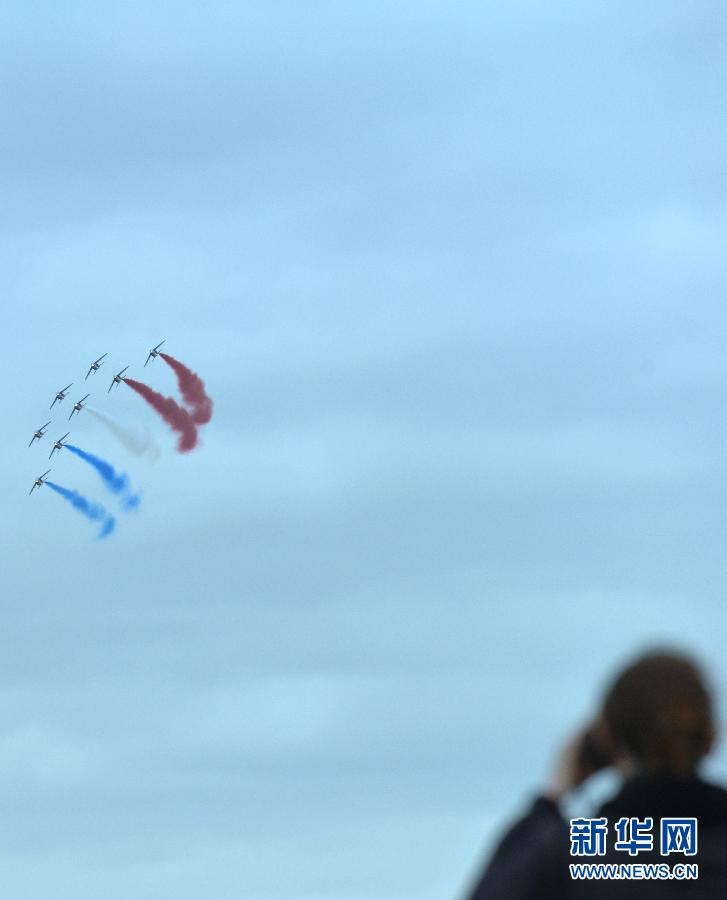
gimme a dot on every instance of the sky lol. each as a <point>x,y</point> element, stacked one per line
<point>453,275</point>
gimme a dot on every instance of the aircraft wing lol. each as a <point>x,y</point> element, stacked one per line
<point>159,345</point>
<point>46,473</point>
<point>84,398</point>
<point>101,357</point>
<point>53,404</point>
<point>31,440</point>
<point>63,439</point>
<point>46,425</point>
<point>123,370</point>
<point>32,489</point>
<point>148,358</point>
<point>66,388</point>
<point>88,373</point>
<point>110,386</point>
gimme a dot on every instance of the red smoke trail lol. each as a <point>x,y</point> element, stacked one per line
<point>177,418</point>
<point>192,390</point>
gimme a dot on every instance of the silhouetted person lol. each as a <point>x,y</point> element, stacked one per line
<point>655,727</point>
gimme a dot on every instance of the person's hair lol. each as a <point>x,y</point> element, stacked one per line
<point>659,710</point>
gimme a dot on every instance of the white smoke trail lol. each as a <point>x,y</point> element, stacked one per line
<point>138,442</point>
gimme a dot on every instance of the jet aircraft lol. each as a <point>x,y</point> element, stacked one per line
<point>117,379</point>
<point>37,435</point>
<point>39,482</point>
<point>153,353</point>
<point>61,394</point>
<point>59,445</point>
<point>78,405</point>
<point>95,366</point>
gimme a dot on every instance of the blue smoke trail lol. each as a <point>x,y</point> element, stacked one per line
<point>93,511</point>
<point>117,484</point>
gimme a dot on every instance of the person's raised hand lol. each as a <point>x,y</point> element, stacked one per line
<point>578,759</point>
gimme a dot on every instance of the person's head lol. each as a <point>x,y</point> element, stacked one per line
<point>658,716</point>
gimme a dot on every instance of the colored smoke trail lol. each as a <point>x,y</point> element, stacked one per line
<point>93,511</point>
<point>192,390</point>
<point>140,444</point>
<point>176,417</point>
<point>117,484</point>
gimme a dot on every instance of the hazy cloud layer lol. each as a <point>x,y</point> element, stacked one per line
<point>454,279</point>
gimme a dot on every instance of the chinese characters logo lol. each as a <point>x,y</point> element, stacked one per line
<point>588,837</point>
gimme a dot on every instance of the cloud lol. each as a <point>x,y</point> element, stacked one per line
<point>467,449</point>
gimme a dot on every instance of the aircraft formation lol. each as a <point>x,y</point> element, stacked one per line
<point>184,417</point>
<point>77,407</point>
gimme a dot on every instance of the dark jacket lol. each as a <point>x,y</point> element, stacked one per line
<point>531,862</point>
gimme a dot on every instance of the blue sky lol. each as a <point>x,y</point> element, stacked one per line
<point>454,277</point>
